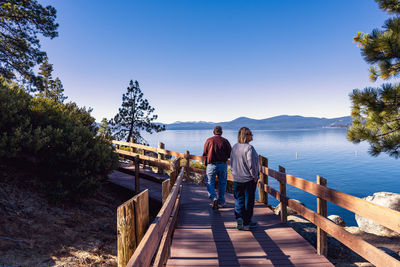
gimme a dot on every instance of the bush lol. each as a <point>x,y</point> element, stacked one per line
<point>58,139</point>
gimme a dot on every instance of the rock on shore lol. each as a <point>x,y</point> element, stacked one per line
<point>385,199</point>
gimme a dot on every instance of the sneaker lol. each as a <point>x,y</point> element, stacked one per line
<point>221,205</point>
<point>214,204</point>
<point>239,224</point>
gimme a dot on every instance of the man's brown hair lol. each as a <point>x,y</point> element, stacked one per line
<point>217,130</point>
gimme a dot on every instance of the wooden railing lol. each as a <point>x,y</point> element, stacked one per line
<point>384,216</point>
<point>160,230</point>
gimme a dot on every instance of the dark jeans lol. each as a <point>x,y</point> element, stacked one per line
<point>244,200</point>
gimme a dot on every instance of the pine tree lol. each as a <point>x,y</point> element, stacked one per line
<point>104,129</point>
<point>135,115</point>
<point>20,23</point>
<point>376,111</point>
<point>48,87</point>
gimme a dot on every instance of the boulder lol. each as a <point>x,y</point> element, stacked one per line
<point>385,199</point>
<point>337,220</point>
<point>289,210</point>
<point>196,178</point>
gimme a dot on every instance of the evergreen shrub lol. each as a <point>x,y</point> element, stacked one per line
<point>58,140</point>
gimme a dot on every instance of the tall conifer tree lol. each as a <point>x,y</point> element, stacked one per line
<point>21,21</point>
<point>48,87</point>
<point>376,111</point>
<point>134,116</point>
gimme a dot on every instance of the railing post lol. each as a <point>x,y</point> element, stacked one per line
<point>132,222</point>
<point>144,154</point>
<point>262,194</point>
<point>126,232</point>
<point>322,241</point>
<point>176,163</point>
<point>283,196</point>
<point>187,157</point>
<point>132,143</point>
<point>165,187</point>
<point>137,175</point>
<point>160,156</point>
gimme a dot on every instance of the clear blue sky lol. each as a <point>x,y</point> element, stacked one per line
<point>213,60</point>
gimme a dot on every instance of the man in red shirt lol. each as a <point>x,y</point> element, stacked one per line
<point>216,153</point>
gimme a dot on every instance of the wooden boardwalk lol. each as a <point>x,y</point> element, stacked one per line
<point>128,181</point>
<point>204,237</point>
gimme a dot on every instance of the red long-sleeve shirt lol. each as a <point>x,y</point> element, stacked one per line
<point>216,149</point>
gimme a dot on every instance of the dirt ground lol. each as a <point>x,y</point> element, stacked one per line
<point>34,232</point>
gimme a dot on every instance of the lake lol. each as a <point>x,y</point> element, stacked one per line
<point>306,153</point>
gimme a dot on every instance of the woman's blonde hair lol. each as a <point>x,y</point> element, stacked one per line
<point>243,134</point>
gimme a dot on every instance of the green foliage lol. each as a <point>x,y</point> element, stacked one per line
<point>20,23</point>
<point>376,119</point>
<point>48,87</point>
<point>134,116</point>
<point>58,140</point>
<point>375,111</point>
<point>390,6</point>
<point>381,47</point>
<point>104,129</point>
<point>198,165</point>
<point>15,123</point>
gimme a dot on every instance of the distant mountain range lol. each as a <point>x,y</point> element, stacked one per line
<point>283,122</point>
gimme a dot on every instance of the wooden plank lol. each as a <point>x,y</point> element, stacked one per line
<point>382,215</point>
<point>207,238</point>
<point>175,171</point>
<point>141,202</point>
<point>147,248</point>
<point>149,148</point>
<point>282,191</point>
<point>187,157</point>
<point>165,190</point>
<point>151,161</point>
<point>139,146</point>
<point>137,175</point>
<point>361,247</point>
<point>171,153</point>
<point>126,232</point>
<point>262,195</point>
<point>322,240</point>
<point>195,157</point>
<point>165,243</point>
<point>160,156</point>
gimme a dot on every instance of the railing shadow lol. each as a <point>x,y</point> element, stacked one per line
<point>279,257</point>
<point>225,249</point>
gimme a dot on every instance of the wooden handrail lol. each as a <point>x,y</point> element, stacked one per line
<point>149,244</point>
<point>355,243</point>
<point>382,215</point>
<point>152,161</point>
<point>153,149</point>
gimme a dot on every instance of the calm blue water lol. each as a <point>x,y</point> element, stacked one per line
<point>326,152</point>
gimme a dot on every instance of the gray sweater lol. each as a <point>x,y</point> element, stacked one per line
<point>244,163</point>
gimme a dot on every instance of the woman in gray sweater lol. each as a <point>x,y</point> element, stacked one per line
<point>245,170</point>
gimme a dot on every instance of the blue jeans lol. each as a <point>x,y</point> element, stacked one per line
<point>212,171</point>
<point>244,200</point>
